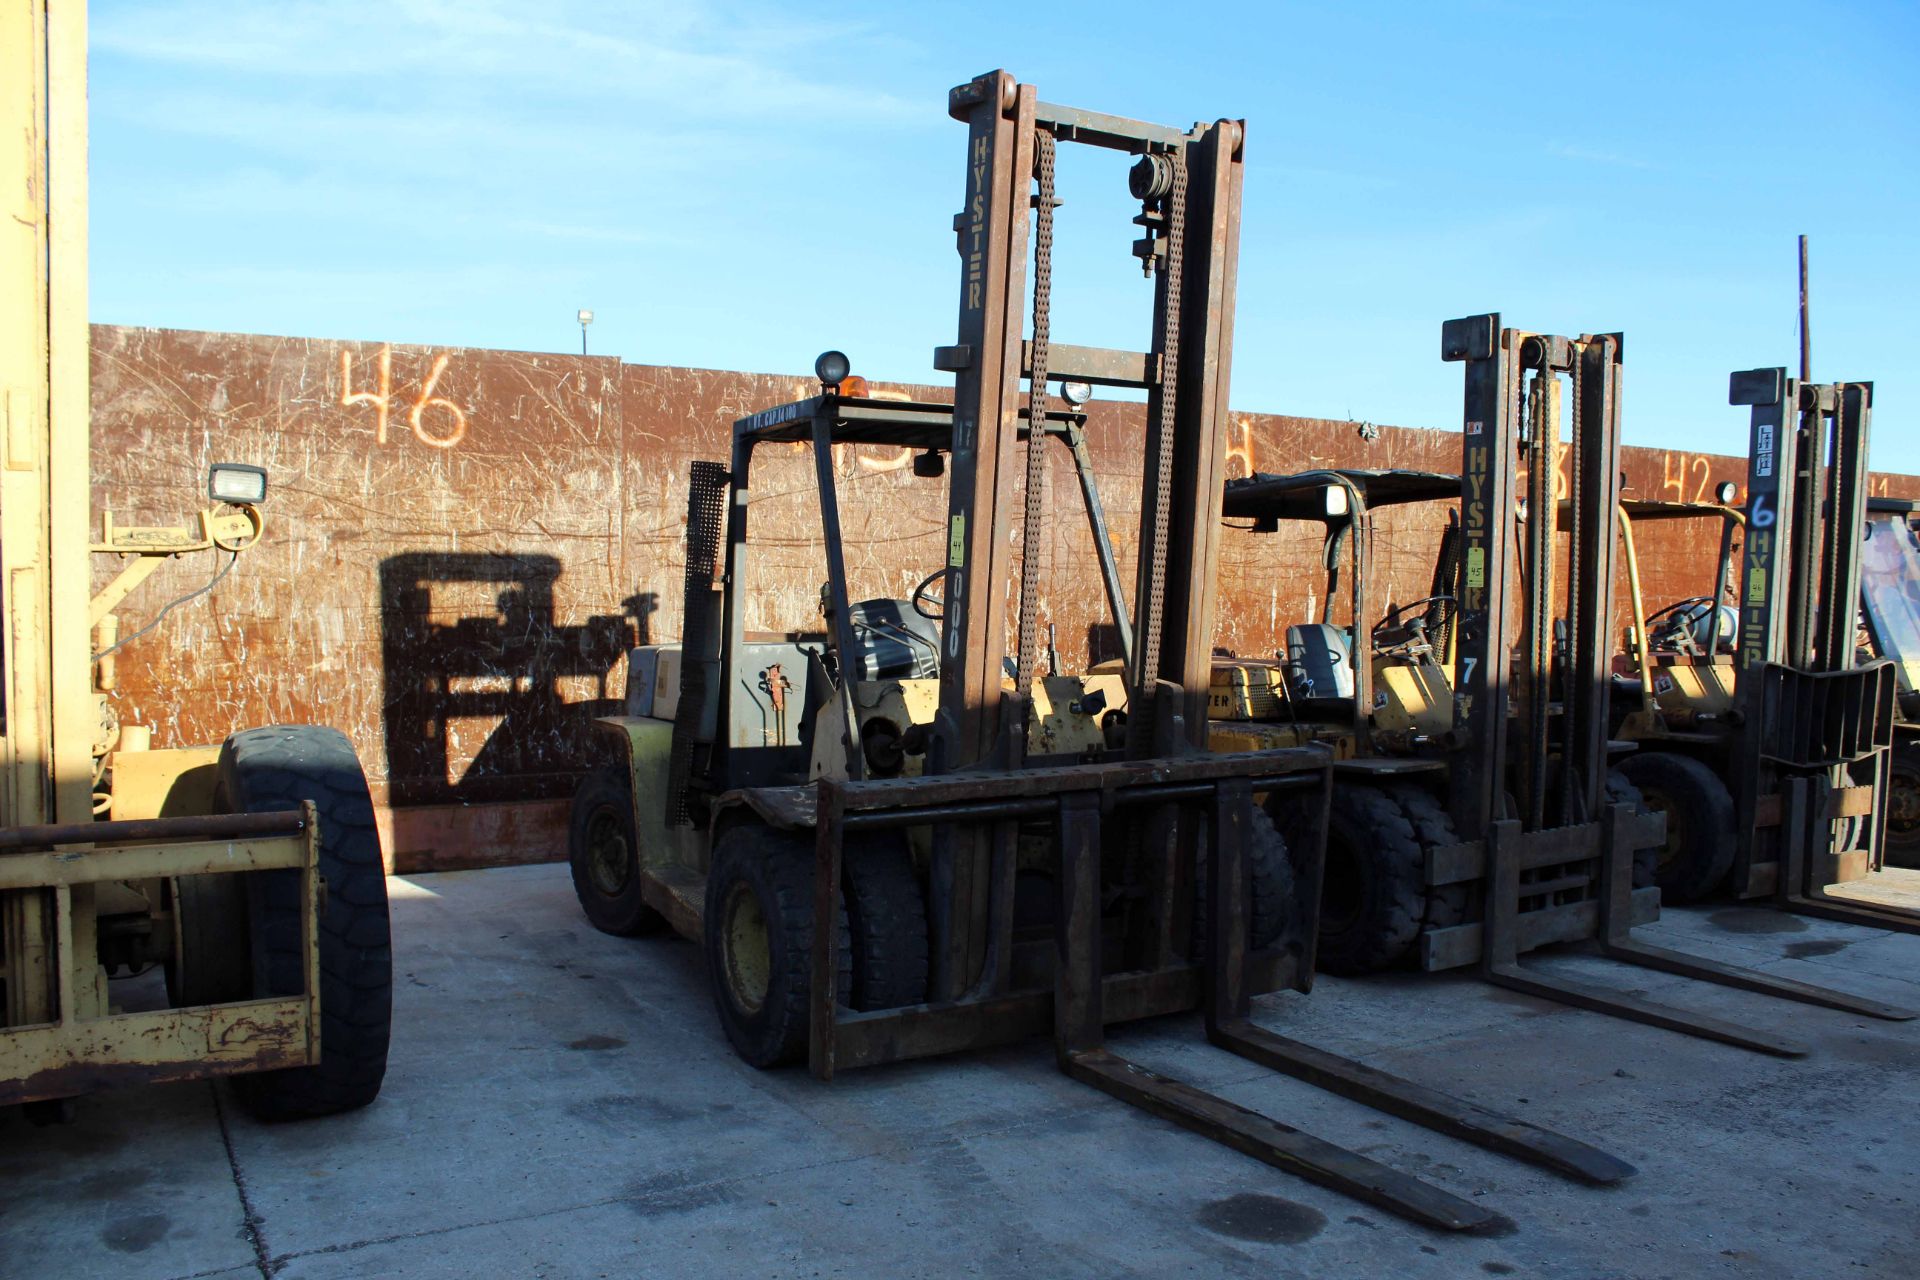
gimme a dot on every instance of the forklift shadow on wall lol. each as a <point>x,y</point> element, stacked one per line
<point>535,684</point>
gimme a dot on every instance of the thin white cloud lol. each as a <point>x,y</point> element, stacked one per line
<point>720,60</point>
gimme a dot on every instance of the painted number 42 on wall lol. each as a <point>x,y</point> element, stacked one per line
<point>451,414</point>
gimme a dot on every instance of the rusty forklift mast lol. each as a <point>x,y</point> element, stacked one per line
<point>1528,790</point>
<point>1814,724</point>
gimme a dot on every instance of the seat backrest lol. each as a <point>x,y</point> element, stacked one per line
<point>1318,657</point>
<point>892,642</point>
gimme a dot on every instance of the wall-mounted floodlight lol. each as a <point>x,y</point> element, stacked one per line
<point>1336,498</point>
<point>238,483</point>
<point>585,317</point>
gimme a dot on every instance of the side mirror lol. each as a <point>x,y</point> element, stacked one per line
<point>237,483</point>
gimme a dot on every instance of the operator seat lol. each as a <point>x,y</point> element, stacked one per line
<point>892,641</point>
<point>1319,662</point>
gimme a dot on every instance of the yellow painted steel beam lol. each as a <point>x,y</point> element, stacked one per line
<point>150,861</point>
<point>59,1061</point>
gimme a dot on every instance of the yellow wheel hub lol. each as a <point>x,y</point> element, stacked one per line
<point>745,948</point>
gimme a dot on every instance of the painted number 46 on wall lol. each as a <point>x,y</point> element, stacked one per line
<point>452,419</point>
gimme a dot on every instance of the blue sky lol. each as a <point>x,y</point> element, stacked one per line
<point>740,185</point>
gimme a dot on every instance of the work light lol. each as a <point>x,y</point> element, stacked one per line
<point>239,483</point>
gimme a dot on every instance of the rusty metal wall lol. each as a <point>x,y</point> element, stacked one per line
<point>462,544</point>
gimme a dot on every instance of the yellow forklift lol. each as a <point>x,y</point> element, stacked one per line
<point>247,873</point>
<point>1890,615</point>
<point>1481,808</point>
<point>891,837</point>
<point>1770,714</point>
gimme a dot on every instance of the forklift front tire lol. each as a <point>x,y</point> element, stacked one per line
<point>1646,859</point>
<point>603,853</point>
<point>1699,808</point>
<point>265,770</point>
<point>758,939</point>
<point>887,921</point>
<point>1903,807</point>
<point>1373,897</point>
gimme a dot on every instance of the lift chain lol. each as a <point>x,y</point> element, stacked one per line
<point>1153,600</point>
<point>1573,758</point>
<point>1033,532</point>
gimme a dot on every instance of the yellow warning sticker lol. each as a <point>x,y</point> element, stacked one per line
<point>957,542</point>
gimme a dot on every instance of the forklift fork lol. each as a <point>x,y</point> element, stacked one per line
<point>1079,1040</point>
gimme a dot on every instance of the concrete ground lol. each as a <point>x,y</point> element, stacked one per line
<point>562,1104</point>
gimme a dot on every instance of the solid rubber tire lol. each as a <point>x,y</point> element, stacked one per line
<point>1646,859</point>
<point>271,769</point>
<point>1903,774</point>
<point>1271,865</point>
<point>1700,825</point>
<point>777,867</point>
<point>1367,828</point>
<point>886,923</point>
<point>1447,905</point>
<point>608,793</point>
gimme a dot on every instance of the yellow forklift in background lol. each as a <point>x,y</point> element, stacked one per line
<point>249,873</point>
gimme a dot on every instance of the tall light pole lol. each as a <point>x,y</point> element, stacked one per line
<point>586,318</point>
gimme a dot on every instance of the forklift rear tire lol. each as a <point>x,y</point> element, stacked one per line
<point>1700,829</point>
<point>265,770</point>
<point>603,853</point>
<point>1373,896</point>
<point>758,939</point>
<point>886,923</point>
<point>1646,859</point>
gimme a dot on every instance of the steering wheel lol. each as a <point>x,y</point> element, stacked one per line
<point>929,606</point>
<point>1400,611</point>
<point>1672,626</point>
<point>1689,603</point>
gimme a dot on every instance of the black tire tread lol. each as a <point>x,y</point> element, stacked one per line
<point>630,917</point>
<point>1903,772</point>
<point>1447,905</point>
<point>783,862</point>
<point>276,768</point>
<point>887,925</point>
<point>1271,863</point>
<point>1646,859</point>
<point>1370,823</point>
<point>1702,801</point>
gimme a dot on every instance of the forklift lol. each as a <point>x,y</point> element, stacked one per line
<point>1890,614</point>
<point>1767,729</point>
<point>1502,828</point>
<point>248,874</point>
<point>894,839</point>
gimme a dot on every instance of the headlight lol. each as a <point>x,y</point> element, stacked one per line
<point>238,483</point>
<point>1726,492</point>
<point>1076,393</point>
